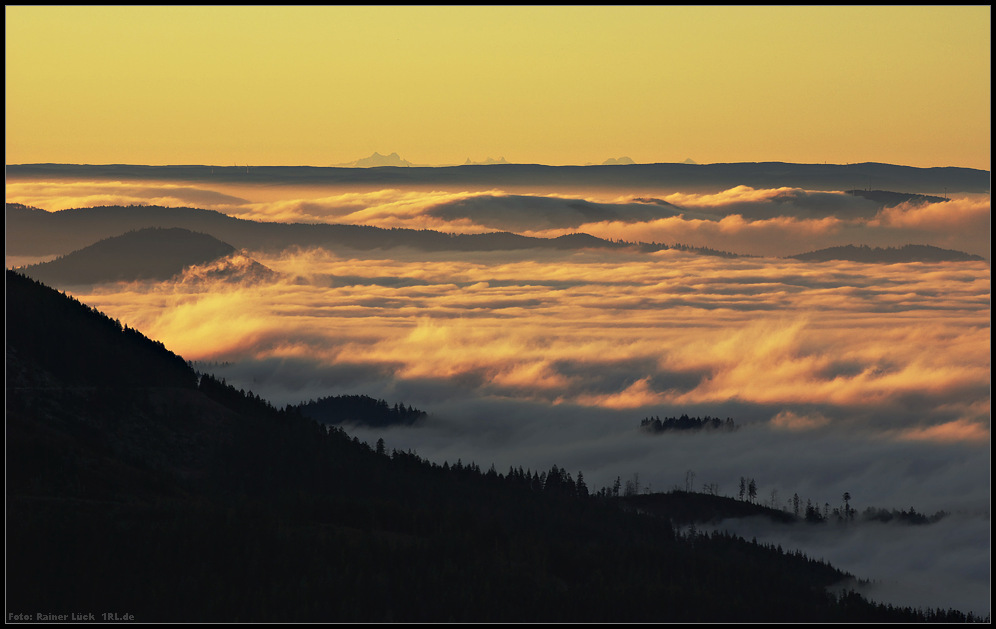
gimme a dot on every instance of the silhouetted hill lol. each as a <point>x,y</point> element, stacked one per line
<point>135,486</point>
<point>359,409</point>
<point>31,231</point>
<point>152,253</point>
<point>887,255</point>
<point>892,199</point>
<point>688,177</point>
<point>520,213</point>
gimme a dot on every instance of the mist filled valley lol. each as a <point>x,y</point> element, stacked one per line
<point>535,326</point>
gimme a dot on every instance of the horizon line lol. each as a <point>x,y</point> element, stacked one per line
<point>481,164</point>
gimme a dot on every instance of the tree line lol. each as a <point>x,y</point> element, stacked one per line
<point>657,425</point>
<point>361,409</point>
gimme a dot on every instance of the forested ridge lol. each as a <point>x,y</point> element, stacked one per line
<point>359,409</point>
<point>887,255</point>
<point>136,485</point>
<point>32,231</point>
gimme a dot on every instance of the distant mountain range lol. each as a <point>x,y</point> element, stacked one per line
<point>487,162</point>
<point>618,161</point>
<point>152,253</point>
<point>685,177</point>
<point>377,160</point>
<point>31,231</point>
<point>887,255</point>
<point>163,242</point>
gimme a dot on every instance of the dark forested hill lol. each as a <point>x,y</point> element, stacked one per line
<point>150,253</point>
<point>359,409</point>
<point>137,486</point>
<point>887,198</point>
<point>887,255</point>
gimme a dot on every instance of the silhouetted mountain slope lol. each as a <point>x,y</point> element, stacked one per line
<point>135,487</point>
<point>701,177</point>
<point>81,347</point>
<point>888,255</point>
<point>36,232</point>
<point>151,253</point>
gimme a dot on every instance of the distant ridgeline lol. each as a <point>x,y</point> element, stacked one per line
<point>360,409</point>
<point>888,255</point>
<point>908,517</point>
<point>656,424</point>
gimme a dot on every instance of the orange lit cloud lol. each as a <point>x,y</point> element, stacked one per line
<point>788,420</point>
<point>382,208</point>
<point>767,222</point>
<point>958,430</point>
<point>777,236</point>
<point>966,213</point>
<point>62,195</point>
<point>639,394</point>
<point>613,330</point>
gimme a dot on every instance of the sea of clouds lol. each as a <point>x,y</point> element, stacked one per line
<point>843,377</point>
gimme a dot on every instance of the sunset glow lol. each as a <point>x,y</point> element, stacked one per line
<point>552,85</point>
<point>539,226</point>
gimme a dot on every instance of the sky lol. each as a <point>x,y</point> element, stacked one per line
<point>554,85</point>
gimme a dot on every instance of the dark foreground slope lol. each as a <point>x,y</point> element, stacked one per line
<point>136,487</point>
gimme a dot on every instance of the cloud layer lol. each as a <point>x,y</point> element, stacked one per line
<point>892,353</point>
<point>767,222</point>
<point>844,377</point>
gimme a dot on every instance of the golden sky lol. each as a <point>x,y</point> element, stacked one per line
<point>555,85</point>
